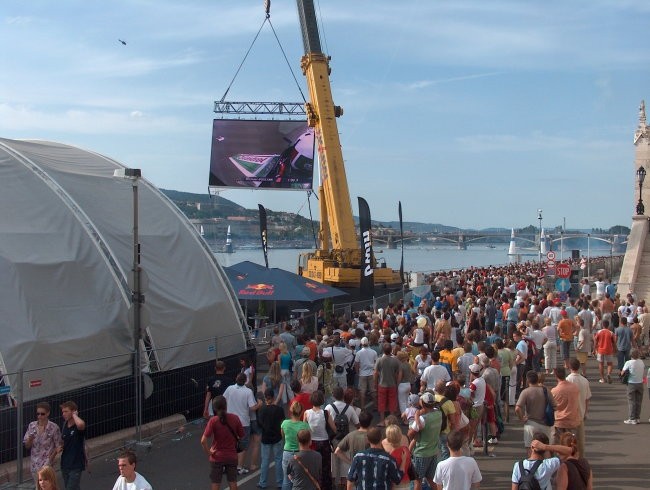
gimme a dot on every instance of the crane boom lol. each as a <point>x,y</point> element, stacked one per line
<point>338,257</point>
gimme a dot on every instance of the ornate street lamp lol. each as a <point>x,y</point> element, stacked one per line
<point>640,177</point>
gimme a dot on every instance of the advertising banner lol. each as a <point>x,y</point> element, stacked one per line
<point>262,154</point>
<point>367,282</point>
<point>264,234</point>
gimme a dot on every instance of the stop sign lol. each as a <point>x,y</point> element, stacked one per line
<point>563,271</point>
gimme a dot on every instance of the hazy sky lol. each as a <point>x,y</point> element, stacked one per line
<point>472,113</point>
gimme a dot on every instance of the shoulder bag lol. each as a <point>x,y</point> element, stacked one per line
<point>549,411</point>
<point>307,472</point>
<point>239,445</point>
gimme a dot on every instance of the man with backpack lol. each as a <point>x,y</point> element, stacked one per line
<point>536,472</point>
<point>344,416</point>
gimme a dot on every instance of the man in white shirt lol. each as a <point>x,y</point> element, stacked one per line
<point>129,479</point>
<point>365,366</point>
<point>241,400</point>
<point>433,373</point>
<point>458,472</point>
<point>585,395</point>
<point>341,359</point>
<point>477,387</point>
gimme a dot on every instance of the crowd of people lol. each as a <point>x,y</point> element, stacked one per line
<point>440,377</point>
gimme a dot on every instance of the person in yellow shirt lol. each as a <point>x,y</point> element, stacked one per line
<point>448,359</point>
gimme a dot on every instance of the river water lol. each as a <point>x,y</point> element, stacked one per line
<point>416,259</point>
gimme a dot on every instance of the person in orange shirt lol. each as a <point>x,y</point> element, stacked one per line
<point>566,328</point>
<point>604,342</point>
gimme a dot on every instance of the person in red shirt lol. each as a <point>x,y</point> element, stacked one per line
<point>225,430</point>
<point>604,343</point>
<point>302,397</point>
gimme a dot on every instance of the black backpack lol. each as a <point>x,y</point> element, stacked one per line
<point>527,480</point>
<point>341,422</point>
<point>438,406</point>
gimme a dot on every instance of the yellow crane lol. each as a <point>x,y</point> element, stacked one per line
<point>337,261</point>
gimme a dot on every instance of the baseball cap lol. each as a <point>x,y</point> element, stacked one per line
<point>394,336</point>
<point>364,341</point>
<point>428,398</point>
<point>475,368</point>
<point>422,322</point>
<point>563,313</point>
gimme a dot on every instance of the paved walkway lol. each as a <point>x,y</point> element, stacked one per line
<point>618,453</point>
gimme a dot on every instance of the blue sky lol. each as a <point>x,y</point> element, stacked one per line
<point>472,113</point>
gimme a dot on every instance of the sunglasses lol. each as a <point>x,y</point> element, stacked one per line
<point>41,414</point>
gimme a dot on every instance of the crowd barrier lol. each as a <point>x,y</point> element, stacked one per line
<point>110,406</point>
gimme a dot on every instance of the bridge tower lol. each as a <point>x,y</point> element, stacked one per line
<point>462,243</point>
<point>512,249</point>
<point>635,273</point>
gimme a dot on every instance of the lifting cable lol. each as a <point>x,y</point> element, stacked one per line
<point>267,7</point>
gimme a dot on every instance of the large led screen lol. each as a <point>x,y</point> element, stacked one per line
<point>262,154</point>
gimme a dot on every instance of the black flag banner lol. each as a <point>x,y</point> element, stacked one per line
<point>401,238</point>
<point>367,281</point>
<point>264,234</point>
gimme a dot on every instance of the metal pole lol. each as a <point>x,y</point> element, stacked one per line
<point>19,425</point>
<point>588,254</point>
<point>539,217</point>
<point>137,294</point>
<point>561,245</point>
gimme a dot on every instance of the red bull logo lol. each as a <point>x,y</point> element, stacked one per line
<point>260,289</point>
<point>315,287</point>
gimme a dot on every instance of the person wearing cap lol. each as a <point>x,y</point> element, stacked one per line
<point>477,387</point>
<point>342,358</point>
<point>566,330</point>
<point>325,373</point>
<point>365,366</point>
<point>418,332</point>
<point>425,429</point>
<point>304,359</point>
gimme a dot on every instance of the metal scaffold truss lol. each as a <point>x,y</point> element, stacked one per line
<point>277,108</point>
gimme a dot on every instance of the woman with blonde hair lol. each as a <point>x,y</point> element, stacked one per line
<point>289,429</point>
<point>46,479</point>
<point>273,380</point>
<point>395,447</point>
<point>308,380</point>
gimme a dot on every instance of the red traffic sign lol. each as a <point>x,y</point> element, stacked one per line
<point>550,255</point>
<point>563,271</point>
<point>550,264</point>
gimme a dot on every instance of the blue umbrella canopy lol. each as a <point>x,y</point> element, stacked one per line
<point>254,281</point>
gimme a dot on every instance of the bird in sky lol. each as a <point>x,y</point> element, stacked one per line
<point>123,42</point>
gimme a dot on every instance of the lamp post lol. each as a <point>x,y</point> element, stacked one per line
<point>137,298</point>
<point>640,177</point>
<point>539,217</point>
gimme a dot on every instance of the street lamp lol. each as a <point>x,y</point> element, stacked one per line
<point>137,298</point>
<point>640,177</point>
<point>539,217</point>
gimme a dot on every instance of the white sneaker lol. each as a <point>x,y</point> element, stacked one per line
<point>493,440</point>
<point>630,422</point>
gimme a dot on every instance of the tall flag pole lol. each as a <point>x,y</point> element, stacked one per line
<point>367,281</point>
<point>264,234</point>
<point>401,236</point>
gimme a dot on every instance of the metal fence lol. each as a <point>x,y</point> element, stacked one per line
<point>110,406</point>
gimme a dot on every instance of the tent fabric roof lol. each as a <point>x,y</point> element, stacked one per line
<point>66,253</point>
<point>254,281</point>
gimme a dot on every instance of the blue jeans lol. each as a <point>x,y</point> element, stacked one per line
<point>71,479</point>
<point>286,457</point>
<point>622,356</point>
<point>267,450</point>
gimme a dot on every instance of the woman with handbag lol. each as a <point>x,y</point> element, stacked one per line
<point>635,368</point>
<point>226,431</point>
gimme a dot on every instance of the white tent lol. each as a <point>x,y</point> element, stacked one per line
<point>66,253</point>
